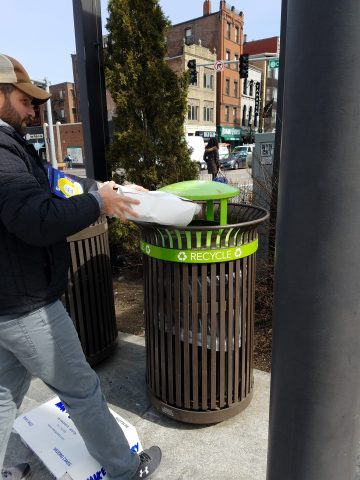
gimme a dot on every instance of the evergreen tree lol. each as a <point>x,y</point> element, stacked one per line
<point>151,100</point>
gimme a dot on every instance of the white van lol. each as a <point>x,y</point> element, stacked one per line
<point>197,146</point>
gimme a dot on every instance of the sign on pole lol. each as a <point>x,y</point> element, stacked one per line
<point>218,66</point>
<point>273,63</point>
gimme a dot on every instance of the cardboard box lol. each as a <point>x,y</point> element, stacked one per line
<point>51,434</point>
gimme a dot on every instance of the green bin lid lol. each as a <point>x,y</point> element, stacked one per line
<point>201,190</point>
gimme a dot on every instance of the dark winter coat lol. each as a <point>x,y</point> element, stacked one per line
<point>211,157</point>
<point>33,228</point>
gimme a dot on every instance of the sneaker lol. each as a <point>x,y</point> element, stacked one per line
<point>149,461</point>
<point>19,472</point>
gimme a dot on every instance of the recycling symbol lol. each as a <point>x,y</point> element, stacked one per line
<point>147,250</point>
<point>237,252</point>
<point>182,256</point>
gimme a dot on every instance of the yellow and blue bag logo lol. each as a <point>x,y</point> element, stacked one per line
<point>63,185</point>
<point>68,187</point>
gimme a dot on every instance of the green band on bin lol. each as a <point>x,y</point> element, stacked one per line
<point>199,255</point>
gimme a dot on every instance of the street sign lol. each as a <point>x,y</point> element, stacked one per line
<point>273,63</point>
<point>218,66</point>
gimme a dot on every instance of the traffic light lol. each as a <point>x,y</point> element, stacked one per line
<point>193,73</point>
<point>244,65</point>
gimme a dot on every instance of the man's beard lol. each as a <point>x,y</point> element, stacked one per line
<point>10,116</point>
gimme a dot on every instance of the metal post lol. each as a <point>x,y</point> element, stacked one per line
<point>51,127</point>
<point>277,146</point>
<point>58,142</point>
<point>46,140</point>
<point>314,409</point>
<point>89,54</point>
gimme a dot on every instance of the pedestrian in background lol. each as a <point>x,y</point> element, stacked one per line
<point>68,161</point>
<point>211,156</point>
<point>37,336</point>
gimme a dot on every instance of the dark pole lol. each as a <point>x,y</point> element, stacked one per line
<point>314,407</point>
<point>90,66</point>
<point>278,132</point>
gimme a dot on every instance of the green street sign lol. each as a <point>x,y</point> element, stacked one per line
<point>273,63</point>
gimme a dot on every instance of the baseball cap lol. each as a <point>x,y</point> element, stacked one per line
<point>11,71</point>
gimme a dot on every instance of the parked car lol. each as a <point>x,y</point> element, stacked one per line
<point>234,161</point>
<point>246,149</point>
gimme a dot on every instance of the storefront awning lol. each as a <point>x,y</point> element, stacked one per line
<point>229,133</point>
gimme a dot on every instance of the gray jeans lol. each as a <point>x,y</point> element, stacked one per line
<point>44,343</point>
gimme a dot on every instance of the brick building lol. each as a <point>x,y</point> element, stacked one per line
<point>222,33</point>
<point>63,103</point>
<point>68,133</point>
<point>68,138</point>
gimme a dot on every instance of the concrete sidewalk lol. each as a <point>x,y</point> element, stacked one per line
<point>233,449</point>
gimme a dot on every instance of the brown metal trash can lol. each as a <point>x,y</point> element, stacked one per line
<point>199,284</point>
<point>89,297</point>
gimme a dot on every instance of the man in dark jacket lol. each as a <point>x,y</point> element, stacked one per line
<point>37,337</point>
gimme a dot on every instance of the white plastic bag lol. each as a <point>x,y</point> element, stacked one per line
<point>161,207</point>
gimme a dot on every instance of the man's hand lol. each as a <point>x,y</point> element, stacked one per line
<point>138,188</point>
<point>115,204</point>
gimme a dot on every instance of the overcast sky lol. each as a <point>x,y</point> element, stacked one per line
<point>42,37</point>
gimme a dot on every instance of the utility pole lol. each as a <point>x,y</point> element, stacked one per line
<point>314,429</point>
<point>51,127</point>
<point>58,142</point>
<point>278,132</point>
<point>89,54</point>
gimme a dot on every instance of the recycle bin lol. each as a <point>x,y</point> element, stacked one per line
<point>89,297</point>
<point>199,284</point>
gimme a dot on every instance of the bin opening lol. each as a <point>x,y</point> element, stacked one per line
<point>204,223</point>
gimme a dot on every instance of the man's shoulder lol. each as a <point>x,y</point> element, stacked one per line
<point>12,151</point>
<point>9,138</point>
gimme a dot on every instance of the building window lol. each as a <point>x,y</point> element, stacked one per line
<point>193,112</point>
<point>208,114</point>
<point>62,113</point>
<point>227,114</point>
<point>250,115</point>
<point>61,94</point>
<point>228,30</point>
<point>251,93</point>
<point>245,86</point>
<point>227,58</point>
<point>208,81</point>
<point>236,58</point>
<point>236,89</point>
<point>227,86</point>
<point>243,120</point>
<point>189,37</point>
<point>234,114</point>
<point>236,35</point>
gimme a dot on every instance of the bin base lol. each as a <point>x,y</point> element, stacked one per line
<point>200,417</point>
<point>98,357</point>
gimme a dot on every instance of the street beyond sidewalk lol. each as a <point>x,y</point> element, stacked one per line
<point>241,177</point>
<point>231,450</point>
